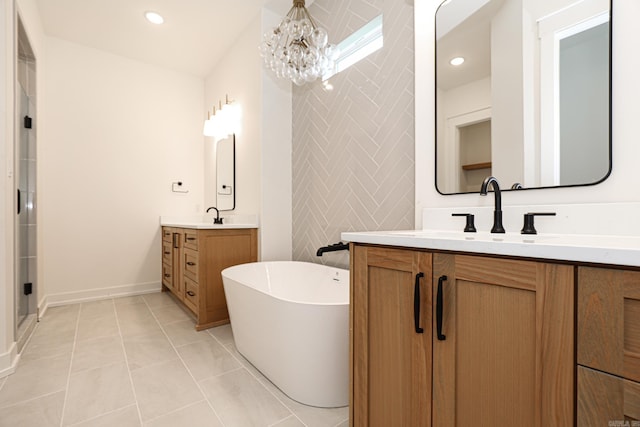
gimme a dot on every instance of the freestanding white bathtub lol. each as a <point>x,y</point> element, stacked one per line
<point>291,321</point>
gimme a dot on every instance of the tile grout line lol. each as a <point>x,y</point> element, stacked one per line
<point>204,395</point>
<point>126,362</point>
<point>73,350</point>
<point>284,419</point>
<point>22,402</point>
<point>150,420</point>
<point>99,416</point>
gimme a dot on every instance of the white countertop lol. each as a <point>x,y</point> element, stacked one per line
<point>602,249</point>
<point>205,222</point>
<point>206,226</point>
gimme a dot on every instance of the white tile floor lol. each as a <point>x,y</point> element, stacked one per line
<point>138,361</point>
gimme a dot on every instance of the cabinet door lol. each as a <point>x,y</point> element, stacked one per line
<point>506,356</point>
<point>609,321</point>
<point>219,249</point>
<point>391,358</point>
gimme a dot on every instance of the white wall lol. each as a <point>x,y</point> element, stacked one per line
<point>507,90</point>
<point>118,133</point>
<point>237,75</point>
<point>276,158</point>
<point>621,186</point>
<point>263,145</point>
<point>461,100</point>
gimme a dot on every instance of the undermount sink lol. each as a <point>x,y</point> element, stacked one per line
<point>479,236</point>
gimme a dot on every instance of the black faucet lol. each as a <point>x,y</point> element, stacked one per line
<point>497,213</point>
<point>332,248</point>
<point>217,219</point>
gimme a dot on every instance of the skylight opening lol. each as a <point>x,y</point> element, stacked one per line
<point>358,46</point>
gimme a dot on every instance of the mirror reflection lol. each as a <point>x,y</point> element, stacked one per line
<point>226,173</point>
<point>522,93</point>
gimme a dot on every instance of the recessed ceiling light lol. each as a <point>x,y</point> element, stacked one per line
<point>154,17</point>
<point>457,61</point>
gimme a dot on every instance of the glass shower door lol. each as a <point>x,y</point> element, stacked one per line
<point>26,242</point>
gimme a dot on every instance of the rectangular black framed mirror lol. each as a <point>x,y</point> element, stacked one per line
<point>523,93</point>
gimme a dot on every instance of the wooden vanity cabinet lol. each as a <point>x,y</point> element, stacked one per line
<point>390,356</point>
<point>608,346</point>
<point>505,352</point>
<point>197,259</point>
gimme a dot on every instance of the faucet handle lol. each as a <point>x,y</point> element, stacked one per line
<point>470,226</point>
<point>528,227</point>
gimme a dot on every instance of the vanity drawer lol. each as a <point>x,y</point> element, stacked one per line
<point>167,235</point>
<point>191,264</point>
<point>604,398</point>
<point>191,294</point>
<point>167,275</point>
<point>166,252</point>
<point>609,321</point>
<point>191,239</point>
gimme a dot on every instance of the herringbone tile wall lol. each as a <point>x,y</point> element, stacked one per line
<point>353,147</point>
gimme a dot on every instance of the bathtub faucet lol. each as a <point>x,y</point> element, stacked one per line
<point>332,248</point>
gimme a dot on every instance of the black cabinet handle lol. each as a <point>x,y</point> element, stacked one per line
<point>19,201</point>
<point>191,263</point>
<point>416,304</point>
<point>439,309</point>
<point>191,293</point>
<point>167,275</point>
<point>191,238</point>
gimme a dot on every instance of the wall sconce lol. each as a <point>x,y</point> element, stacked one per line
<point>225,120</point>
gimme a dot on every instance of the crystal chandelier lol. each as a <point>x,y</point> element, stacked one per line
<point>298,49</point>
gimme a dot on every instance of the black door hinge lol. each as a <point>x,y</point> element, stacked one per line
<point>28,122</point>
<point>28,288</point>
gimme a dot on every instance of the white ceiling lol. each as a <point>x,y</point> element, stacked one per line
<point>464,29</point>
<point>195,34</point>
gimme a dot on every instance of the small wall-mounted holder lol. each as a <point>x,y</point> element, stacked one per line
<point>176,187</point>
<point>227,190</point>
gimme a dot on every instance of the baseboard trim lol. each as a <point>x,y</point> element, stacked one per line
<point>9,361</point>
<point>66,298</point>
